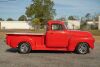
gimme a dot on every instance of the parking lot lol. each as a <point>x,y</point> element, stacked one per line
<point>10,58</point>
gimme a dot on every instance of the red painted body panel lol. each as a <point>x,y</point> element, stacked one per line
<point>65,40</point>
<point>58,39</point>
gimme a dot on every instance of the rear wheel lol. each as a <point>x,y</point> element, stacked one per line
<point>24,48</point>
<point>82,48</point>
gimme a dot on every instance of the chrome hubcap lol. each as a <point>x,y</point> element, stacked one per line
<point>24,48</point>
<point>83,48</point>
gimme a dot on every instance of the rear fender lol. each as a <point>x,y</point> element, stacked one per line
<point>16,41</point>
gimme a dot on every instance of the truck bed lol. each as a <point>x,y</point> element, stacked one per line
<point>25,33</point>
<point>13,39</point>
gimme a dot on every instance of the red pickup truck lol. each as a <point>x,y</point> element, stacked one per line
<point>56,38</point>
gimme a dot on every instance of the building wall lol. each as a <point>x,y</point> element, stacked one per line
<point>73,24</point>
<point>15,25</point>
<point>90,22</point>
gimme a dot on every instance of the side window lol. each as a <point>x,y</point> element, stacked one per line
<point>57,27</point>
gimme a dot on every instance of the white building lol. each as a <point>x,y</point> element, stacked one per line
<point>15,25</point>
<point>73,24</point>
<point>94,23</point>
<point>90,23</point>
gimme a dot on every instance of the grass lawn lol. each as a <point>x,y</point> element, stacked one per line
<point>95,32</point>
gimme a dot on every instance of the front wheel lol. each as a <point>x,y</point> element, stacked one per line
<point>82,48</point>
<point>24,48</point>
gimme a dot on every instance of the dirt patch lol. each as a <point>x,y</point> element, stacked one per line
<point>97,38</point>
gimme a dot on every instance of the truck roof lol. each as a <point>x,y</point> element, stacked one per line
<point>55,21</point>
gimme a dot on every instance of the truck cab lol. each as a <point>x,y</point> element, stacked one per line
<point>56,38</point>
<point>57,35</point>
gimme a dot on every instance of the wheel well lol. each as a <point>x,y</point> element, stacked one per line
<point>24,42</point>
<point>81,42</point>
<point>28,46</point>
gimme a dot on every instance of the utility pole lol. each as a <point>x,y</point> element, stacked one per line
<point>0,26</point>
<point>99,24</point>
<point>73,26</point>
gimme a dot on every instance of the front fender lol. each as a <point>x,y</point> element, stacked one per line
<point>74,41</point>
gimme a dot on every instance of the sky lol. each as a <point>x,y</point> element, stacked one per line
<point>64,8</point>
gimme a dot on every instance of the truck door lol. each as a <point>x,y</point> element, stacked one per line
<point>57,37</point>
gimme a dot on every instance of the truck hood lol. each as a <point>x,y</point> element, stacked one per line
<point>80,33</point>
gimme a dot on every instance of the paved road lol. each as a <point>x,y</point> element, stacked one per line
<point>10,58</point>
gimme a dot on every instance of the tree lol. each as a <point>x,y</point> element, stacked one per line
<point>36,23</point>
<point>62,19</point>
<point>88,17</point>
<point>96,17</point>
<point>71,18</point>
<point>9,19</point>
<point>41,9</point>
<point>1,19</point>
<point>22,18</point>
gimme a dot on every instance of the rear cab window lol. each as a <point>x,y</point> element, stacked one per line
<point>57,27</point>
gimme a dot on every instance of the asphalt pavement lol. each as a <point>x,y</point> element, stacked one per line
<point>11,58</point>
